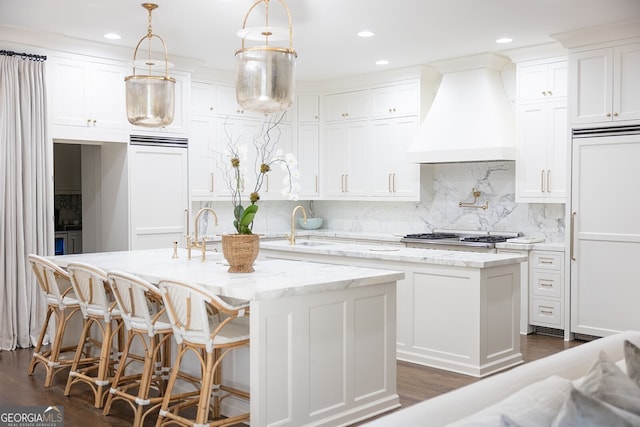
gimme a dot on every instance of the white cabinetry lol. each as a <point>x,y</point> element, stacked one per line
<point>87,99</point>
<point>158,196</point>
<point>546,288</point>
<point>396,100</point>
<point>346,106</point>
<point>307,109</point>
<point>542,152</point>
<point>391,175</point>
<point>605,249</point>
<point>605,85</point>
<point>206,181</point>
<point>542,80</point>
<point>307,153</point>
<point>346,164</point>
<point>542,132</point>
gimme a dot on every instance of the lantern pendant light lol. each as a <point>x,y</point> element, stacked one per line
<point>150,98</point>
<point>265,80</point>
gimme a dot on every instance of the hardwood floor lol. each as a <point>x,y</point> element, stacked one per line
<point>415,384</point>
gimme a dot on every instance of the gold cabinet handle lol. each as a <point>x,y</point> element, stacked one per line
<point>548,180</point>
<point>317,183</point>
<point>346,183</point>
<point>542,180</point>
<point>571,235</point>
<point>615,114</point>
<point>389,183</point>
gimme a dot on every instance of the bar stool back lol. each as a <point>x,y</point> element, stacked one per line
<point>211,328</point>
<point>98,308</point>
<point>62,305</point>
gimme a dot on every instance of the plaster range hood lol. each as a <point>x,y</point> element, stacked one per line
<point>470,119</point>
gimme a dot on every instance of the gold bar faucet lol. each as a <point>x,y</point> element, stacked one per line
<point>292,237</point>
<point>203,245</point>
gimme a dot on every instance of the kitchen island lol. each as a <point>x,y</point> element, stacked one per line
<point>457,310</point>
<point>323,340</point>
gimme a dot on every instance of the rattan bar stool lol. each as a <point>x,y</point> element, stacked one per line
<point>62,305</point>
<point>143,313</point>
<point>99,309</point>
<point>210,328</point>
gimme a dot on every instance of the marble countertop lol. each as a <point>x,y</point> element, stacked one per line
<point>395,253</point>
<point>271,279</point>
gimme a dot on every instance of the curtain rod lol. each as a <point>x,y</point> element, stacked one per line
<point>23,55</point>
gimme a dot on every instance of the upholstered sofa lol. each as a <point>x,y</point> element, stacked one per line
<point>579,386</point>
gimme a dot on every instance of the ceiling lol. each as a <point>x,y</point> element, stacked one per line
<point>407,32</point>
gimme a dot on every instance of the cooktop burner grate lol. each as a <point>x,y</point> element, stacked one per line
<point>432,236</point>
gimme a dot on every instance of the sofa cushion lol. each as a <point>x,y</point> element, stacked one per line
<point>607,382</point>
<point>582,410</point>
<point>632,359</point>
<point>535,405</point>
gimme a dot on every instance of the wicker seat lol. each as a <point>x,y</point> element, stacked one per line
<point>210,328</point>
<point>142,311</point>
<point>98,308</point>
<point>62,305</point>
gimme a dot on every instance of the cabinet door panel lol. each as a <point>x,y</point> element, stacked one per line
<point>158,196</point>
<point>592,85</point>
<point>108,96</point>
<point>69,93</point>
<point>626,83</point>
<point>532,151</point>
<point>308,160</point>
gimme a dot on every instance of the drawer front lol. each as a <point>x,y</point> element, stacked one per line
<point>546,284</point>
<point>546,312</point>
<point>546,260</point>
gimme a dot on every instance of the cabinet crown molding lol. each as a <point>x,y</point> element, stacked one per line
<point>584,37</point>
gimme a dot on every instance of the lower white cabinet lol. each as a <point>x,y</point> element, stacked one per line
<point>158,196</point>
<point>74,242</point>
<point>546,288</point>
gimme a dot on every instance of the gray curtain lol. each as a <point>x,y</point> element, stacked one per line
<point>26,197</point>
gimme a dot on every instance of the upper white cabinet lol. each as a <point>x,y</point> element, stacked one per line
<point>391,175</point>
<point>402,99</point>
<point>346,106</point>
<point>87,98</point>
<point>542,131</point>
<point>541,164</point>
<point>308,155</point>
<point>605,85</point>
<point>541,80</point>
<point>308,108</point>
<point>346,170</point>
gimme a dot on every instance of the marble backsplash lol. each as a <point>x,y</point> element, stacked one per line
<point>453,183</point>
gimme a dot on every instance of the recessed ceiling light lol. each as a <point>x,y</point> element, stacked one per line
<point>382,62</point>
<point>366,33</point>
<point>503,40</point>
<point>112,36</point>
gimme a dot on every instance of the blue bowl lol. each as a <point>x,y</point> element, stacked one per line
<point>312,223</point>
